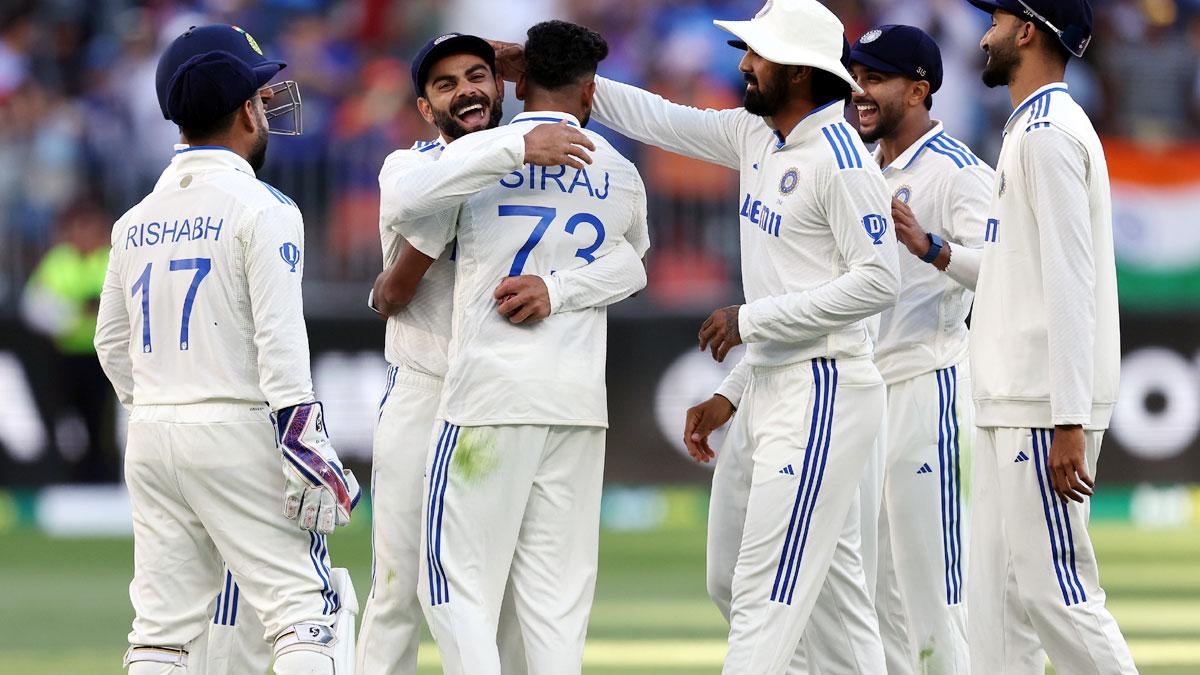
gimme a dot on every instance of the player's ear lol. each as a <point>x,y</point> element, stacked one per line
<point>798,74</point>
<point>1026,34</point>
<point>917,93</point>
<point>499,88</point>
<point>521,87</point>
<point>248,115</point>
<point>586,92</point>
<point>425,108</point>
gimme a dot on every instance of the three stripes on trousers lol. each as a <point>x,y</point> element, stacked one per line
<point>816,453</point>
<point>950,479</point>
<point>439,589</point>
<point>1058,523</point>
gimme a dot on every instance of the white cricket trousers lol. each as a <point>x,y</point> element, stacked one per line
<point>784,510</point>
<point>206,485</point>
<point>924,540</point>
<point>391,625</point>
<point>1034,581</point>
<point>516,506</point>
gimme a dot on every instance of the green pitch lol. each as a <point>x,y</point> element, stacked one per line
<point>65,608</point>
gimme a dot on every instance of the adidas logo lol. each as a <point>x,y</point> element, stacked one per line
<point>924,469</point>
<point>1021,457</point>
<point>787,470</point>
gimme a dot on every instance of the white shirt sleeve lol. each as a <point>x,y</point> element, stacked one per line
<point>870,285</point>
<point>277,306</point>
<point>970,197</point>
<point>412,188</point>
<point>113,331</point>
<point>715,136</point>
<point>735,383</point>
<point>612,277</point>
<point>1055,169</point>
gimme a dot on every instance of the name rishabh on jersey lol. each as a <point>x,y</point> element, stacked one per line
<point>203,289</point>
<point>535,220</point>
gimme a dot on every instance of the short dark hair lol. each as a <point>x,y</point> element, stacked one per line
<point>929,102</point>
<point>1055,48</point>
<point>827,88</point>
<point>202,132</point>
<point>559,53</point>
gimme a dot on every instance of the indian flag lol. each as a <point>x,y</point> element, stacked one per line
<point>1156,208</point>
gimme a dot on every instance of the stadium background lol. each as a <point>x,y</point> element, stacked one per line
<point>82,139</point>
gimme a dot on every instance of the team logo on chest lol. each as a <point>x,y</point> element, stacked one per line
<point>903,194</point>
<point>789,181</point>
<point>876,227</point>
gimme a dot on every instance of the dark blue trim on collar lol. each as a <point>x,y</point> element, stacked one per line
<point>1030,102</point>
<point>546,119</point>
<point>204,147</point>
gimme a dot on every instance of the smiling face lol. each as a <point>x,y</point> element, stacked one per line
<point>1000,44</point>
<point>884,102</point>
<point>461,95</point>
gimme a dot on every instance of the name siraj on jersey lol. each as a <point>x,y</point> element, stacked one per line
<point>556,176</point>
<point>194,229</point>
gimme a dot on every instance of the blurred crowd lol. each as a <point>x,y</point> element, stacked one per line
<point>81,130</point>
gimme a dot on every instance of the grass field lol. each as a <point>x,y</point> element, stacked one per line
<point>65,609</point>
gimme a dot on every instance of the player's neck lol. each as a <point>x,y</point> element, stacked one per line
<point>227,141</point>
<point>914,125</point>
<point>548,102</point>
<point>1031,75</point>
<point>789,115</point>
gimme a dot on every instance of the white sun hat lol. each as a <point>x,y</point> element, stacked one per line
<point>794,33</point>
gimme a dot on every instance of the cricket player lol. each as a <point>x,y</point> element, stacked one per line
<point>818,258</point>
<point>201,331</point>
<point>459,93</point>
<point>514,478</point>
<point>1045,356</point>
<point>940,197</point>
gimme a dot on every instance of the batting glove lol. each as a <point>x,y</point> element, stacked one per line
<point>318,493</point>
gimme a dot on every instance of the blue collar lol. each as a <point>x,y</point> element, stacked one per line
<point>1044,91</point>
<point>546,116</point>
<point>193,148</point>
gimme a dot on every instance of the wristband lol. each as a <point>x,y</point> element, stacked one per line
<point>935,248</point>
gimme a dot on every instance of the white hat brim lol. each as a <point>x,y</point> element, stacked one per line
<point>774,50</point>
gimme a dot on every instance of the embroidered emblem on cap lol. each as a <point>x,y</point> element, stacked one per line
<point>250,39</point>
<point>870,36</point>
<point>789,181</point>
<point>445,37</point>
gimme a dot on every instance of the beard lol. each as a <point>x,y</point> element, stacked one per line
<point>1002,62</point>
<point>767,100</point>
<point>452,129</point>
<point>886,123</point>
<point>258,152</point>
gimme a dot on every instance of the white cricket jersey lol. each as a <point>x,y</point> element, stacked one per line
<point>948,189</point>
<point>202,298</point>
<point>541,221</point>
<point>818,250</point>
<point>1045,337</point>
<point>418,336</point>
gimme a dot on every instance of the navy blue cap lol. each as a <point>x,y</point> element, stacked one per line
<point>219,77</point>
<point>445,45</point>
<point>1069,20</point>
<point>903,50</point>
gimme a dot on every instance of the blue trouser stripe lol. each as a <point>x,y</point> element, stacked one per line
<point>1063,514</point>
<point>811,477</point>
<point>956,464</point>
<point>387,390</point>
<point>1047,498</point>
<point>437,551</point>
<point>942,480</point>
<point>830,372</point>
<point>233,615</point>
<point>784,557</point>
<point>434,470</point>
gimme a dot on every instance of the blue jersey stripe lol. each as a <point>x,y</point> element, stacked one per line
<point>833,144</point>
<point>848,139</point>
<point>941,143</point>
<point>954,144</point>
<point>942,151</point>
